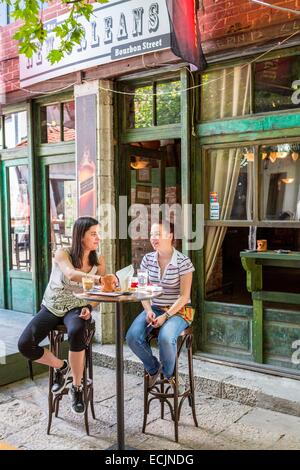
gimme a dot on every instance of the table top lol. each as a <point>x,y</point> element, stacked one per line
<point>270,254</point>
<point>137,296</point>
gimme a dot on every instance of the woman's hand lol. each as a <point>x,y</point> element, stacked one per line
<point>159,321</point>
<point>150,317</point>
<point>85,313</point>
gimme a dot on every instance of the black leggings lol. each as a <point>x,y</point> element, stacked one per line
<point>45,321</point>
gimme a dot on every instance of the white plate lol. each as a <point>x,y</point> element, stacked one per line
<point>109,294</point>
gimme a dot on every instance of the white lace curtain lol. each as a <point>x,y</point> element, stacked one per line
<point>224,163</point>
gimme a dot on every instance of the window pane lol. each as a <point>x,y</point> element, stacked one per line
<point>63,196</point>
<point>280,181</point>
<point>168,102</point>
<point>15,129</point>
<point>230,185</point>
<point>19,218</point>
<point>226,278</point>
<point>139,107</point>
<point>50,124</point>
<point>226,93</point>
<point>274,87</point>
<point>69,121</point>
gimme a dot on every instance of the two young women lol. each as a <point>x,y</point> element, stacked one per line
<point>166,267</point>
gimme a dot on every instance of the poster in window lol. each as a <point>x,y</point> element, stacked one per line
<point>86,151</point>
<point>144,175</point>
<point>143,194</point>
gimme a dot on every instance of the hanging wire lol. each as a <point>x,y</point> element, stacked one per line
<point>137,94</point>
<point>276,7</point>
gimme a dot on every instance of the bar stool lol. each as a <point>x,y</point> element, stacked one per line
<point>164,391</point>
<point>56,338</point>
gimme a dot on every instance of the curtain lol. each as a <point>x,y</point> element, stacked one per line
<point>235,92</point>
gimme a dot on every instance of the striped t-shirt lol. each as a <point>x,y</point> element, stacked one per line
<point>170,281</point>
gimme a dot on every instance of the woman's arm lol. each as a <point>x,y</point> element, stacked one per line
<point>101,270</point>
<point>67,268</point>
<point>185,293</point>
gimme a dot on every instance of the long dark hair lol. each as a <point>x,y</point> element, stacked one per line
<point>82,225</point>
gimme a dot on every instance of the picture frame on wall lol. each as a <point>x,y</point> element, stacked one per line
<point>143,194</point>
<point>144,175</point>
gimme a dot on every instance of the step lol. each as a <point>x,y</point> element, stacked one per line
<point>222,381</point>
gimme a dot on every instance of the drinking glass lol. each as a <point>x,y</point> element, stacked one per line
<point>87,283</point>
<point>142,275</point>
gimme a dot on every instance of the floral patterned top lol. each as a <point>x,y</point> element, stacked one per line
<point>59,295</point>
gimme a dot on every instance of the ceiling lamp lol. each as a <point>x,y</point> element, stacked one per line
<point>139,164</point>
<point>287,180</point>
<point>282,154</point>
<point>295,156</point>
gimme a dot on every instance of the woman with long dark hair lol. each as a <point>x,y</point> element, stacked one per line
<point>59,305</point>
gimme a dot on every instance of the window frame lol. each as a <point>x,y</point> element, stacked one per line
<point>60,99</point>
<point>139,83</point>
<point>257,220</point>
<point>278,54</point>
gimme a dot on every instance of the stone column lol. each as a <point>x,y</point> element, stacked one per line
<point>104,315</point>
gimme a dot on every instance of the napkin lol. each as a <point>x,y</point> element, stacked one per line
<point>124,275</point>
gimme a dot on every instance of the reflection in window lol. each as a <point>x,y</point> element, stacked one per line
<point>280,181</point>
<point>15,130</point>
<point>58,123</point>
<point>140,107</point>
<point>63,196</point>
<point>230,192</point>
<point>226,93</point>
<point>157,104</point>
<point>69,121</point>
<point>168,103</point>
<point>274,85</point>
<point>19,218</point>
<point>225,277</point>
<point>50,124</point>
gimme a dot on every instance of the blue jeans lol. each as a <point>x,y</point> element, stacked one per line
<point>167,342</point>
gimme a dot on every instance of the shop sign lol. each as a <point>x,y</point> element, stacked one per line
<point>117,30</point>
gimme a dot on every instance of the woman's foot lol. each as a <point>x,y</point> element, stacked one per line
<point>60,378</point>
<point>76,396</point>
<point>152,379</point>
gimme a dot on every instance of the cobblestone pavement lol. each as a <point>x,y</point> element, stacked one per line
<point>223,424</point>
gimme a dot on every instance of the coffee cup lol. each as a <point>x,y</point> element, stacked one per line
<point>108,283</point>
<point>87,283</point>
<point>261,245</point>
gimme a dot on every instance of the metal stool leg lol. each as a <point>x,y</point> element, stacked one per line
<point>176,400</point>
<point>191,380</point>
<point>91,375</point>
<point>146,406</point>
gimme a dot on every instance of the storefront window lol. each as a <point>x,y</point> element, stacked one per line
<point>225,276</point>
<point>63,197</point>
<point>19,218</point>
<point>168,103</point>
<point>58,123</point>
<point>15,130</point>
<point>280,181</point>
<point>69,121</point>
<point>156,104</point>
<point>276,83</point>
<point>50,124</point>
<point>229,192</point>
<point>140,107</point>
<point>226,93</point>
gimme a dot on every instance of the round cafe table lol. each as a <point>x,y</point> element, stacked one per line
<point>119,301</point>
